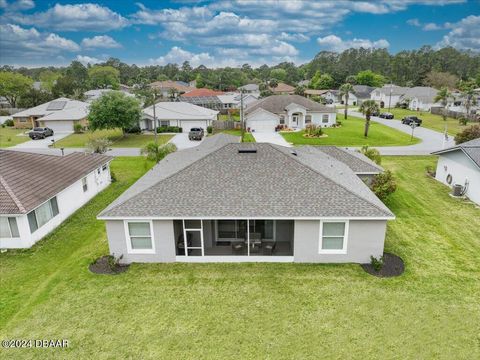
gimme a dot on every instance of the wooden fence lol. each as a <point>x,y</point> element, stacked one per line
<point>225,124</point>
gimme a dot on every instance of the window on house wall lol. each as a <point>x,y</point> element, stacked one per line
<point>308,119</point>
<point>84,184</point>
<point>139,237</point>
<point>325,118</point>
<point>333,237</point>
<point>282,119</point>
<point>43,214</point>
<point>104,167</point>
<point>8,227</point>
<point>165,123</point>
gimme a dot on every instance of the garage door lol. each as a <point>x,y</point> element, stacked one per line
<point>188,124</point>
<point>263,125</point>
<point>59,126</point>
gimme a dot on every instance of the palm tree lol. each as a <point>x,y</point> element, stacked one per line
<point>345,90</point>
<point>468,93</point>
<point>367,108</point>
<point>442,97</point>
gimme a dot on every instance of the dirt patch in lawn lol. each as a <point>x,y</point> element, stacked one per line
<point>106,265</point>
<point>392,266</point>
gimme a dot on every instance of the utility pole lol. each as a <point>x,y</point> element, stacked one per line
<point>155,116</point>
<point>242,120</point>
<point>390,98</point>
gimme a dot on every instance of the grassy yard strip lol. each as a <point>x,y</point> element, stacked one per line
<point>431,121</point>
<point>11,137</point>
<point>116,136</point>
<point>351,134</point>
<point>193,311</point>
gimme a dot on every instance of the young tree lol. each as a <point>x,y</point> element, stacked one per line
<point>470,133</point>
<point>383,185</point>
<point>368,77</point>
<point>468,94</point>
<point>102,77</point>
<point>372,153</point>
<point>345,90</point>
<point>273,83</point>
<point>114,110</point>
<point>325,82</point>
<point>13,86</point>
<point>367,108</point>
<point>156,152</point>
<point>300,90</point>
<point>438,80</point>
<point>442,97</point>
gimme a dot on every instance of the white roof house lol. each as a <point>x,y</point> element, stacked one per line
<point>179,113</point>
<point>59,114</point>
<point>94,94</point>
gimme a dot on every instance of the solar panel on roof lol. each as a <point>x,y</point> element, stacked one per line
<point>56,105</point>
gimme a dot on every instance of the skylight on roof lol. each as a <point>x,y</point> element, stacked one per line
<point>56,105</point>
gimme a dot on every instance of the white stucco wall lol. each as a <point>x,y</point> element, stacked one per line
<point>457,164</point>
<point>317,119</point>
<point>417,104</point>
<point>69,200</point>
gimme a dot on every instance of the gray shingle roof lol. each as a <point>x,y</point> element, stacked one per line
<point>221,182</point>
<point>470,148</point>
<point>27,180</point>
<point>359,163</point>
<point>277,103</point>
<point>363,91</point>
<point>422,93</point>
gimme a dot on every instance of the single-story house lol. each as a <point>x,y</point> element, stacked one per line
<point>388,95</point>
<point>460,165</point>
<point>165,88</point>
<point>332,96</point>
<point>314,92</point>
<point>38,192</point>
<point>233,100</point>
<point>297,205</point>
<point>420,98</point>
<point>95,94</point>
<point>60,115</point>
<point>360,94</point>
<point>293,111</point>
<point>250,89</point>
<point>181,114</point>
<point>282,89</point>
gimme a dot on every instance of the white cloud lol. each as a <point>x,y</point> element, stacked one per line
<point>432,27</point>
<point>89,17</point>
<point>100,41</point>
<point>87,59</point>
<point>464,35</point>
<point>293,37</point>
<point>177,55</point>
<point>335,43</point>
<point>16,42</point>
<point>414,22</point>
<point>18,5</point>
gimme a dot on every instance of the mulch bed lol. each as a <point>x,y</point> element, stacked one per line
<point>392,266</point>
<point>101,266</point>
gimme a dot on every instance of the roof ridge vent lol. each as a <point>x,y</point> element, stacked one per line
<point>294,153</point>
<point>247,151</point>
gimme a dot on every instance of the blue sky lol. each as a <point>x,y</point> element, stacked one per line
<point>226,32</point>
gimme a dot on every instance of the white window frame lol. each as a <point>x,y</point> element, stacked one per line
<point>128,238</point>
<point>10,227</point>
<point>345,238</point>
<point>323,119</point>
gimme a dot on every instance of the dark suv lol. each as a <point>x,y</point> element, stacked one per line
<point>386,115</point>
<point>408,120</point>
<point>40,133</point>
<point>195,134</point>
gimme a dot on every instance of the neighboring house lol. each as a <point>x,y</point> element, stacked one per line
<point>420,98</point>
<point>250,89</point>
<point>204,97</point>
<point>95,94</point>
<point>295,205</point>
<point>181,114</point>
<point>388,95</point>
<point>293,111</point>
<point>283,89</point>
<point>305,83</point>
<point>460,165</point>
<point>60,115</point>
<point>314,92</point>
<point>229,101</point>
<point>38,192</point>
<point>167,87</point>
<point>360,94</point>
<point>332,96</point>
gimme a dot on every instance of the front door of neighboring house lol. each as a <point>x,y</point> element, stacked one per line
<point>294,120</point>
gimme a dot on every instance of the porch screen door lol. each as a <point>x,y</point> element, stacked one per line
<point>193,237</point>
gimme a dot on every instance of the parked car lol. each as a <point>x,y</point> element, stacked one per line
<point>407,120</point>
<point>40,133</point>
<point>386,115</point>
<point>375,113</point>
<point>196,134</point>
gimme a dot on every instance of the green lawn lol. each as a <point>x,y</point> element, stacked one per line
<point>119,141</point>
<point>248,137</point>
<point>351,134</point>
<point>431,121</point>
<point>9,136</point>
<point>251,311</point>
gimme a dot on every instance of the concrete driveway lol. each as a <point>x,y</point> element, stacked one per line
<point>181,141</point>
<point>270,137</point>
<point>42,143</point>
<point>431,140</point>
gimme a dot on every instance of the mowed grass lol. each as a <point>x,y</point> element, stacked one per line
<point>118,139</point>
<point>251,311</point>
<point>247,137</point>
<point>10,136</point>
<point>351,134</point>
<point>431,121</point>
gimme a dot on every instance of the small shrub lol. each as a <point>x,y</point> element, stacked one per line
<point>430,170</point>
<point>372,154</point>
<point>77,128</point>
<point>383,185</point>
<point>312,130</point>
<point>377,264</point>
<point>169,129</point>
<point>209,129</point>
<point>339,123</point>
<point>462,120</point>
<point>157,152</point>
<point>9,122</point>
<point>99,145</point>
<point>133,130</point>
<point>470,133</point>
<point>9,139</point>
<point>113,177</point>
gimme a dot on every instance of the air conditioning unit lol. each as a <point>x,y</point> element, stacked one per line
<point>457,190</point>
